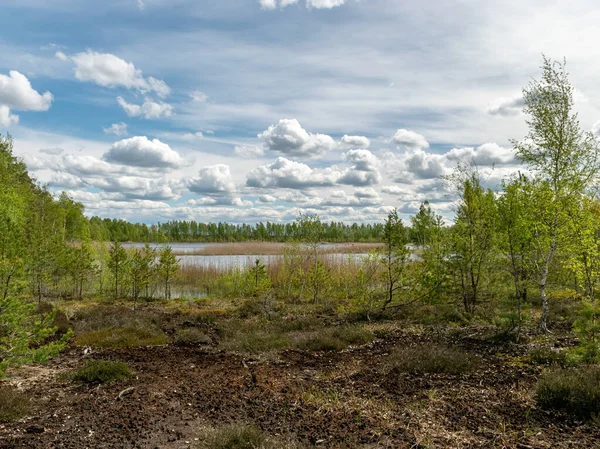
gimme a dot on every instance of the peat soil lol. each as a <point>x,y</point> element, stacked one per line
<point>346,399</point>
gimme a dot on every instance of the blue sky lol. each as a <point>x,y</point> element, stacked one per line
<point>255,110</point>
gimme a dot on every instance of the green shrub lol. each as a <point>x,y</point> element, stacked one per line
<point>101,371</point>
<point>430,358</point>
<point>13,404</point>
<point>573,390</point>
<point>191,337</point>
<point>125,337</point>
<point>546,356</point>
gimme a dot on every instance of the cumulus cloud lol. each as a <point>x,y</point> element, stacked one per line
<point>248,151</point>
<point>16,93</point>
<point>506,106</point>
<point>66,180</point>
<point>213,179</point>
<point>136,187</point>
<point>484,155</point>
<point>139,151</point>
<point>284,173</point>
<point>108,70</point>
<point>289,138</point>
<point>118,129</point>
<point>149,109</point>
<point>6,118</point>
<point>410,139</point>
<point>364,170</point>
<point>354,142</point>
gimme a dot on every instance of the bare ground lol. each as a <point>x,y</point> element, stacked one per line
<point>322,399</point>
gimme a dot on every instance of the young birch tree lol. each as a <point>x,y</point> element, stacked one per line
<point>564,161</point>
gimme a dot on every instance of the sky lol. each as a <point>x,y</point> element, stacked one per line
<point>258,110</point>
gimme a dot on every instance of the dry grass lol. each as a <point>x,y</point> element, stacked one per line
<point>13,404</point>
<point>240,436</point>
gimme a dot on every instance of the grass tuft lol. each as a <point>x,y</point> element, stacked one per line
<point>574,390</point>
<point>101,371</point>
<point>430,358</point>
<point>125,337</point>
<point>13,405</point>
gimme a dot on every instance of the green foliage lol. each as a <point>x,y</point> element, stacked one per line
<point>117,263</point>
<point>26,336</point>
<point>14,405</point>
<point>394,256</point>
<point>101,371</point>
<point>431,358</point>
<point>473,237</point>
<point>574,390</point>
<point>167,268</point>
<point>587,328</point>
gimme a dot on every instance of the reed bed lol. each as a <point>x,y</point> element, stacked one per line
<point>271,249</point>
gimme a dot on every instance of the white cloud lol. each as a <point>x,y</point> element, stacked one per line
<point>213,179</point>
<point>324,4</point>
<point>248,151</point>
<point>354,142</point>
<point>6,118</point>
<point>139,151</point>
<point>284,173</point>
<point>118,129</point>
<point>272,4</point>
<point>506,106</point>
<point>289,138</point>
<point>16,93</point>
<point>410,139</point>
<point>141,5</point>
<point>318,4</point>
<point>484,155</point>
<point>136,187</point>
<point>109,70</point>
<point>596,128</point>
<point>199,96</point>
<point>393,190</point>
<point>267,198</point>
<point>193,136</point>
<point>364,171</point>
<point>149,109</point>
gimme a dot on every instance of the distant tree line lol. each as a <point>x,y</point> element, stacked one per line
<point>192,231</point>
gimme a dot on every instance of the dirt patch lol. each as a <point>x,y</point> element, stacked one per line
<point>330,399</point>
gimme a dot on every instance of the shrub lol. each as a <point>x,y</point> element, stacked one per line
<point>125,337</point>
<point>431,358</point>
<point>101,371</point>
<point>546,356</point>
<point>575,391</point>
<point>191,337</point>
<point>13,404</point>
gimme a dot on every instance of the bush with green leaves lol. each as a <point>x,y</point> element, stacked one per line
<point>575,391</point>
<point>27,336</point>
<point>101,371</point>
